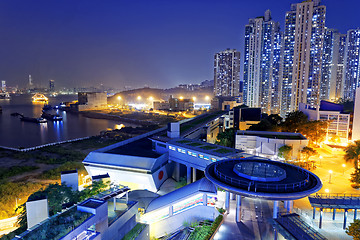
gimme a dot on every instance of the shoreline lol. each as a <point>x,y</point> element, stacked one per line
<point>97,115</point>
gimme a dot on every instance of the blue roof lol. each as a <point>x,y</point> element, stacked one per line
<point>201,186</point>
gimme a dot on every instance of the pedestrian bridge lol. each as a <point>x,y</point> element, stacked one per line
<point>335,201</point>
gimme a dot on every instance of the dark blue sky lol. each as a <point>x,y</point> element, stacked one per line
<point>132,43</point>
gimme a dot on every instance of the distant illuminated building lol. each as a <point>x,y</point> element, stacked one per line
<point>226,73</point>
<point>3,85</point>
<point>333,65</point>
<point>352,71</point>
<point>303,50</point>
<point>52,85</point>
<point>31,84</point>
<point>262,64</point>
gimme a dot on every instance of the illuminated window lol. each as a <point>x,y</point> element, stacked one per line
<point>201,156</point>
<point>213,159</point>
<point>188,203</point>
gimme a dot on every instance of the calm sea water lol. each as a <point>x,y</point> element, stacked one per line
<point>15,133</point>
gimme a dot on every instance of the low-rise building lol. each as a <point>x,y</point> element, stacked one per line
<point>267,144</point>
<point>91,101</point>
<point>339,122</point>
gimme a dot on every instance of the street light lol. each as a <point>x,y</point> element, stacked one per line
<point>327,190</point>
<point>207,98</point>
<point>181,97</point>
<point>330,172</point>
<point>194,99</point>
<point>138,97</point>
<point>119,98</point>
<point>343,168</point>
<point>320,159</point>
<point>151,98</point>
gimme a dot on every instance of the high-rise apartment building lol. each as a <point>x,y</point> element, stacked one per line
<point>303,50</point>
<point>3,85</point>
<point>226,73</point>
<point>262,63</point>
<point>52,85</point>
<point>333,65</point>
<point>352,64</point>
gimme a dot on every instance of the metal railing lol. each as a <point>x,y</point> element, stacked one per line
<point>267,187</point>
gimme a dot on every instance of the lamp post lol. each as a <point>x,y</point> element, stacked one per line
<point>320,159</point>
<point>343,168</point>
<point>330,172</point>
<point>119,98</point>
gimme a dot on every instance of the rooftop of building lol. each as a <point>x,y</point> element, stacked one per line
<point>294,182</point>
<point>69,171</point>
<point>92,203</point>
<point>139,148</point>
<point>97,177</point>
<point>204,147</point>
<point>201,186</point>
<point>273,135</point>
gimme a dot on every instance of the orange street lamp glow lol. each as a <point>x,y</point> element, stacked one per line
<point>207,98</point>
<point>194,99</point>
<point>139,98</point>
<point>181,97</point>
<point>119,97</point>
<point>151,98</point>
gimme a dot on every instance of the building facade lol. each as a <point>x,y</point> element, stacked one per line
<point>333,65</point>
<point>262,63</point>
<point>351,73</point>
<point>226,73</point>
<point>303,51</point>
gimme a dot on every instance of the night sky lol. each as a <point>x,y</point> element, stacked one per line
<point>132,43</point>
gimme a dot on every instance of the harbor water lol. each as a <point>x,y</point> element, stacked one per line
<point>18,134</point>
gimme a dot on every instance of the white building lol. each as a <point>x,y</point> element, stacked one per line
<point>267,144</point>
<point>339,122</point>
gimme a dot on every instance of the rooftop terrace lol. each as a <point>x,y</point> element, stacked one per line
<point>204,147</point>
<point>273,135</point>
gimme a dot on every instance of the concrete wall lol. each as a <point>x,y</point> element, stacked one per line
<point>71,180</point>
<point>268,146</point>
<point>36,212</point>
<point>122,225</point>
<point>356,121</point>
<point>177,221</point>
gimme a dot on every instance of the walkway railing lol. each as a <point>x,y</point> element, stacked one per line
<point>42,146</point>
<point>299,228</point>
<point>267,187</point>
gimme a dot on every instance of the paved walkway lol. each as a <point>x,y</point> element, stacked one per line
<point>253,225</point>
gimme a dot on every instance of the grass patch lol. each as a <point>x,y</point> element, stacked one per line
<point>205,231</point>
<point>183,141</point>
<point>134,232</point>
<point>195,144</point>
<point>15,170</point>
<point>208,147</point>
<point>55,174</point>
<point>223,150</point>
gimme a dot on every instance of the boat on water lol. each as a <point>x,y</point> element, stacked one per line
<point>47,107</point>
<point>15,114</point>
<point>51,117</point>
<point>39,98</point>
<point>34,120</point>
<point>4,95</point>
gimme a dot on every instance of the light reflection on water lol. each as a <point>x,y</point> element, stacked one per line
<point>15,133</point>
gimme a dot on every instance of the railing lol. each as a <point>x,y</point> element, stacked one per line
<point>44,145</point>
<point>341,201</point>
<point>267,187</point>
<point>299,228</point>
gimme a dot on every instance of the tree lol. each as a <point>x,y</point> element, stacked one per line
<point>269,123</point>
<point>315,131</point>
<point>352,153</point>
<point>294,121</point>
<point>308,152</point>
<point>226,138</point>
<point>353,229</point>
<point>285,152</point>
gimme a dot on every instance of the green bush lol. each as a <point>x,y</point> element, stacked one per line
<point>55,174</point>
<point>15,170</point>
<point>134,232</point>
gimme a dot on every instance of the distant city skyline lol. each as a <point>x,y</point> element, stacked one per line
<point>119,44</point>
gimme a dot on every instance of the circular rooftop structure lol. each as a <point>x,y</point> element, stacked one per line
<point>260,178</point>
